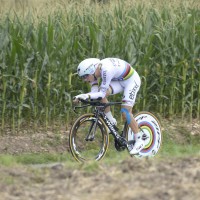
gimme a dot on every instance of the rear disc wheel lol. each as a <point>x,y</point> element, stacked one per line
<point>151,134</point>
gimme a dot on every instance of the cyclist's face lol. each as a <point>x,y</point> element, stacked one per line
<point>88,78</point>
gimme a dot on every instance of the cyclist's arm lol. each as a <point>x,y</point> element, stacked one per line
<point>96,95</point>
<point>94,87</point>
<point>106,79</point>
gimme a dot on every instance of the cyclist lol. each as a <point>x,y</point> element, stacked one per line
<point>116,76</point>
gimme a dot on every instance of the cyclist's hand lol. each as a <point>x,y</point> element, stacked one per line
<point>80,96</point>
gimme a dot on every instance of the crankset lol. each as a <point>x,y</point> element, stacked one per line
<point>120,144</point>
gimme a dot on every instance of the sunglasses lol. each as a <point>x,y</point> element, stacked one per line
<point>85,76</point>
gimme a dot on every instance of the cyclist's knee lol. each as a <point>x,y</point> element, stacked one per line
<point>126,115</point>
<point>104,100</point>
<point>123,116</point>
<point>109,91</point>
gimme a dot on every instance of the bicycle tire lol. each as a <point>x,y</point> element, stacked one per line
<point>83,150</point>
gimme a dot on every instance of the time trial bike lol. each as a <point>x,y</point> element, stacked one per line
<point>89,135</point>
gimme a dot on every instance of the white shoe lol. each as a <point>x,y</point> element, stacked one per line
<point>137,147</point>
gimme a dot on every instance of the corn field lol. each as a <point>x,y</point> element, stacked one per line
<point>42,42</point>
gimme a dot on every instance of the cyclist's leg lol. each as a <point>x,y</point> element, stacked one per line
<point>131,87</point>
<point>128,116</point>
<point>105,100</point>
<point>115,88</point>
<point>107,110</point>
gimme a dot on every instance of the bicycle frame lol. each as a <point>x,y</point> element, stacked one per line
<point>99,112</point>
<point>114,131</point>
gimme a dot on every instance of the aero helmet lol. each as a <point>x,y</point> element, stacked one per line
<point>87,66</point>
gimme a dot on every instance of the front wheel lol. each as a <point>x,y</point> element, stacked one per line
<point>88,138</point>
<point>152,135</point>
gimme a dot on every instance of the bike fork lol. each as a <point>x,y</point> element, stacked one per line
<point>91,133</point>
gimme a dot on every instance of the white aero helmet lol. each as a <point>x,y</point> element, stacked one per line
<point>87,66</point>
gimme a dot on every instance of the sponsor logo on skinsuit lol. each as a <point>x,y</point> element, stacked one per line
<point>133,91</point>
<point>104,77</point>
